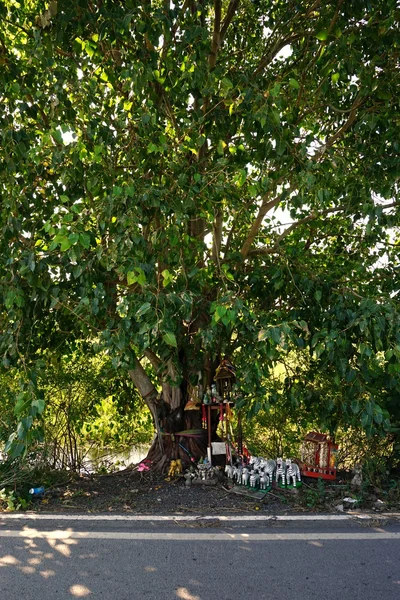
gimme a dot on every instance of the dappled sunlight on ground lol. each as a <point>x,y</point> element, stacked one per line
<point>318,544</point>
<point>184,593</point>
<point>164,562</point>
<point>32,557</point>
<point>79,591</point>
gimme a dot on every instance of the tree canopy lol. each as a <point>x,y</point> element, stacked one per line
<point>184,181</point>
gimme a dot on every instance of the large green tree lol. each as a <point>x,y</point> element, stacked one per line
<point>184,181</point>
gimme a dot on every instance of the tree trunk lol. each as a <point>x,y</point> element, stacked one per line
<point>181,434</point>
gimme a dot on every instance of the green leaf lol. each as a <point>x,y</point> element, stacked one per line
<point>294,84</point>
<point>167,277</point>
<point>276,334</point>
<point>263,334</point>
<point>170,339</point>
<point>242,177</point>
<point>131,277</point>
<point>65,243</point>
<point>84,239</point>
<point>73,238</point>
<point>221,147</point>
<point>16,450</point>
<point>10,442</point>
<point>143,310</point>
<point>39,405</point>
<point>220,311</point>
<point>322,35</point>
<point>23,401</point>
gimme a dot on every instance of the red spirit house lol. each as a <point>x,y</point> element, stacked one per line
<point>318,456</point>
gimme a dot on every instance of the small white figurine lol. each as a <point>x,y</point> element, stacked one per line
<point>245,476</point>
<point>264,481</point>
<point>292,472</point>
<point>356,482</point>
<point>254,479</point>
<point>280,471</point>
<point>237,475</point>
<point>269,468</point>
<point>229,471</point>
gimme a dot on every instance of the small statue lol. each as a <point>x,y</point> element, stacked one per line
<point>245,476</point>
<point>280,471</point>
<point>254,479</point>
<point>237,475</point>
<point>229,471</point>
<point>264,481</point>
<point>292,472</point>
<point>175,468</point>
<point>207,396</point>
<point>215,397</point>
<point>269,468</point>
<point>356,482</point>
<point>255,462</point>
<point>188,479</point>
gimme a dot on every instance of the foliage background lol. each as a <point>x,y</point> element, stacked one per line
<point>175,187</point>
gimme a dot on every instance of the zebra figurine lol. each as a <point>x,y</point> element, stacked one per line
<point>280,471</point>
<point>254,479</point>
<point>255,462</point>
<point>269,468</point>
<point>292,472</point>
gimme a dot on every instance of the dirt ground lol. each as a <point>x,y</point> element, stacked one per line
<point>151,493</point>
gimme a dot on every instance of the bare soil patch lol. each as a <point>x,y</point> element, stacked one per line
<point>151,493</point>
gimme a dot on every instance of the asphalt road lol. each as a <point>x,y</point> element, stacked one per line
<point>198,560</point>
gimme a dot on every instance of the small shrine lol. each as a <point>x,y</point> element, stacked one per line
<point>318,456</point>
<point>216,409</point>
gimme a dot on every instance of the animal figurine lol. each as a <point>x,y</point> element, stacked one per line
<point>269,468</point>
<point>255,462</point>
<point>280,471</point>
<point>264,481</point>
<point>237,474</point>
<point>254,479</point>
<point>175,468</point>
<point>292,472</point>
<point>229,471</point>
<point>245,476</point>
<point>356,482</point>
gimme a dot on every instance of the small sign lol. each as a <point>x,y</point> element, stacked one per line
<point>218,447</point>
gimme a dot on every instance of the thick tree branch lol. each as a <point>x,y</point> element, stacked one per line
<point>153,358</point>
<point>172,394</point>
<point>230,13</point>
<point>312,217</point>
<point>217,236</point>
<point>267,204</point>
<point>149,394</point>
<point>346,125</point>
<point>215,42</point>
